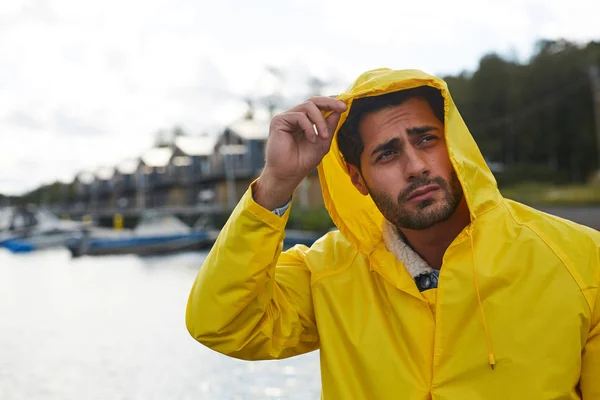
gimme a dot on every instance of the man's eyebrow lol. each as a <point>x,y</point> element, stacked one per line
<point>389,145</point>
<point>419,130</point>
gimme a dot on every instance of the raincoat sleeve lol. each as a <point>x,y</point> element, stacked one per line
<point>590,368</point>
<point>249,300</point>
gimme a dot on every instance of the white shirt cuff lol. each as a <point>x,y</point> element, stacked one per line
<point>281,210</point>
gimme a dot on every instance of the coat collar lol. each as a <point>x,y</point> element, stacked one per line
<point>395,244</point>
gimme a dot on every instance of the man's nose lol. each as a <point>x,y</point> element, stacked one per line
<point>416,165</point>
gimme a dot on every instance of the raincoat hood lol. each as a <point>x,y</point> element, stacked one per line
<point>357,216</point>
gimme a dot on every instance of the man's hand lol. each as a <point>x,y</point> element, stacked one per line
<point>294,149</point>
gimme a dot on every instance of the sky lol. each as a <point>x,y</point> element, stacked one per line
<point>87,84</point>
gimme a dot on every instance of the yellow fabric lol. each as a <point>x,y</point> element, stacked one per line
<point>518,289</point>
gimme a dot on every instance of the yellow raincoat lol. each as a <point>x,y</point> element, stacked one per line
<point>518,291</point>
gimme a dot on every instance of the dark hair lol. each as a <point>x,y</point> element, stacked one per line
<point>349,141</point>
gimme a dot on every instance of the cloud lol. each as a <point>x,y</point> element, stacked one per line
<point>70,125</point>
<point>85,84</point>
<point>23,119</point>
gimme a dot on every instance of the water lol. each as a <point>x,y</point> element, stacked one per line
<point>114,328</point>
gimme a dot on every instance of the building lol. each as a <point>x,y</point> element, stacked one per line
<point>193,166</point>
<point>102,189</point>
<point>124,184</point>
<point>194,174</point>
<point>240,154</point>
<point>153,180</point>
<point>82,196</point>
<point>239,158</point>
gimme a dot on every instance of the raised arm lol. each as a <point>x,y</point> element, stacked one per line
<point>249,300</point>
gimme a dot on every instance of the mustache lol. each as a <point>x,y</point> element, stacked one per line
<point>417,184</point>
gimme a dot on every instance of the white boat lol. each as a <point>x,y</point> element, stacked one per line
<point>155,234</point>
<point>41,230</point>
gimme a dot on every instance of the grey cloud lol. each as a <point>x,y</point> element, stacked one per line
<point>211,85</point>
<point>70,125</point>
<point>210,81</point>
<point>39,10</point>
<point>208,92</point>
<point>23,119</point>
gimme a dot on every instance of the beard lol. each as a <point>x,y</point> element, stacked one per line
<point>428,212</point>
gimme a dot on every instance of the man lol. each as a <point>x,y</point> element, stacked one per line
<point>434,287</point>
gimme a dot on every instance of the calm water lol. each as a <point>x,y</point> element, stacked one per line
<point>114,328</point>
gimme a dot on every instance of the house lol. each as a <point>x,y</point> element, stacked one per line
<point>152,178</point>
<point>193,166</point>
<point>196,152</point>
<point>102,189</point>
<point>239,158</point>
<point>252,134</point>
<point>82,195</point>
<point>124,184</point>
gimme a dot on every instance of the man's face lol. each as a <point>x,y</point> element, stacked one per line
<point>405,166</point>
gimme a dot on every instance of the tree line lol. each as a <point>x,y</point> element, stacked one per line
<point>536,118</point>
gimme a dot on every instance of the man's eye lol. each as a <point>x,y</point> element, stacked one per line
<point>386,154</point>
<point>427,139</point>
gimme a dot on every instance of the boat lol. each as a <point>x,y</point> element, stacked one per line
<point>15,223</point>
<point>38,229</point>
<point>155,235</point>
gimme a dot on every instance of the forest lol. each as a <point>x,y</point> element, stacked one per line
<point>536,119</point>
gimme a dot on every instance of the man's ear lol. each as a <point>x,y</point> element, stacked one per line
<point>357,179</point>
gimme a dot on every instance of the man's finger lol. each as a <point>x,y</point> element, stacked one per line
<point>328,103</point>
<point>316,117</point>
<point>301,120</point>
<point>332,121</point>
<point>324,104</point>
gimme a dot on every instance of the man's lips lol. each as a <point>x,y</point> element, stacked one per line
<point>423,193</point>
